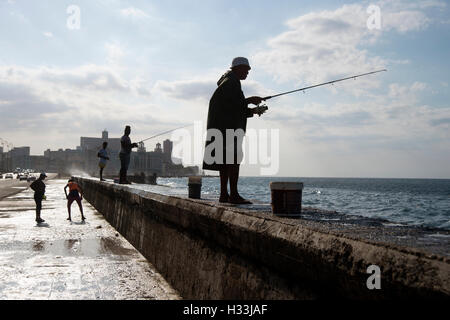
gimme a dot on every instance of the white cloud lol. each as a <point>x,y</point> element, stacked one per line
<point>320,46</point>
<point>399,5</point>
<point>48,34</point>
<point>115,53</point>
<point>408,94</point>
<point>52,107</point>
<point>186,89</point>
<point>134,13</point>
<point>405,21</point>
<point>325,45</point>
<point>200,88</point>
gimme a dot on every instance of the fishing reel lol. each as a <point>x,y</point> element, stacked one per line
<point>260,109</point>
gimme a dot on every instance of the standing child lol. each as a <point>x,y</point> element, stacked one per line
<point>75,194</point>
<point>38,187</point>
<point>103,155</point>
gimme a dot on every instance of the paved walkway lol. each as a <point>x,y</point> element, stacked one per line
<point>60,259</point>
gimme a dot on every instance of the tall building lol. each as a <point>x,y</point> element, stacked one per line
<point>167,150</point>
<point>19,157</point>
<point>92,143</point>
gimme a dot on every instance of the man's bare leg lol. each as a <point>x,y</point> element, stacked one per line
<point>69,204</point>
<point>233,173</point>
<point>81,209</point>
<point>224,196</point>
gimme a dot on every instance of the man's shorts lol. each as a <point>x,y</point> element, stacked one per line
<point>73,195</point>
<point>101,165</point>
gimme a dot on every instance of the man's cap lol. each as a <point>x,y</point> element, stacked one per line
<point>238,61</point>
<point>43,175</point>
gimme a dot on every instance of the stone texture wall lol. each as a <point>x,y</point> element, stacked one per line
<point>212,252</point>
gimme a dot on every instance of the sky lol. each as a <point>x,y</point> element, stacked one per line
<point>73,68</point>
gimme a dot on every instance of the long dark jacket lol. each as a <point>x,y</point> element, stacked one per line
<point>227,109</point>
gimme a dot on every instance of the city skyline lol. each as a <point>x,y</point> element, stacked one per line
<point>154,66</point>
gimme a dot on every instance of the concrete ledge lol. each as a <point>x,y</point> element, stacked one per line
<point>207,251</point>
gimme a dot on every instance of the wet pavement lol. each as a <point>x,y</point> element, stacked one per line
<point>9,187</point>
<point>76,260</point>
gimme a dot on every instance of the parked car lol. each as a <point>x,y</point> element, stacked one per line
<point>31,178</point>
<point>1,176</point>
<point>23,177</point>
<point>8,176</point>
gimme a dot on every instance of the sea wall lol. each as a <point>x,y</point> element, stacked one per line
<point>207,251</point>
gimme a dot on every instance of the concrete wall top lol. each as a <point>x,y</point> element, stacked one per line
<point>321,257</point>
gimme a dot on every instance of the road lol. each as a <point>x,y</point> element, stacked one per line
<point>60,260</point>
<point>9,187</point>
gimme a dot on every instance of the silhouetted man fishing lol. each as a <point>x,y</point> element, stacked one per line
<point>228,111</point>
<point>125,155</point>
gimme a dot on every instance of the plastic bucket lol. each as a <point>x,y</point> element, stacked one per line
<point>286,198</point>
<point>195,187</point>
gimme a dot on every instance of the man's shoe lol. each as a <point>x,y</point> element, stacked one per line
<point>39,220</point>
<point>239,200</point>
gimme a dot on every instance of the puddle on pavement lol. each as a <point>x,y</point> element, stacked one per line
<point>83,247</point>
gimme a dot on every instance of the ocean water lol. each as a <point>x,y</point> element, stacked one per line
<point>417,202</point>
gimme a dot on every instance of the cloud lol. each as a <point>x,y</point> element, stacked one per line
<point>442,121</point>
<point>402,95</point>
<point>200,89</point>
<point>325,45</point>
<point>187,89</point>
<point>405,21</point>
<point>399,5</point>
<point>115,53</point>
<point>91,77</point>
<point>48,34</point>
<point>320,46</point>
<point>53,107</point>
<point>134,13</point>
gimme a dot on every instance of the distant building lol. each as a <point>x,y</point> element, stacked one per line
<point>19,157</point>
<point>84,159</point>
<point>2,160</point>
<point>88,143</point>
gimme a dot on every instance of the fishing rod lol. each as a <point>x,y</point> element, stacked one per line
<point>160,134</point>
<point>322,84</point>
<point>263,108</point>
<point>157,135</point>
